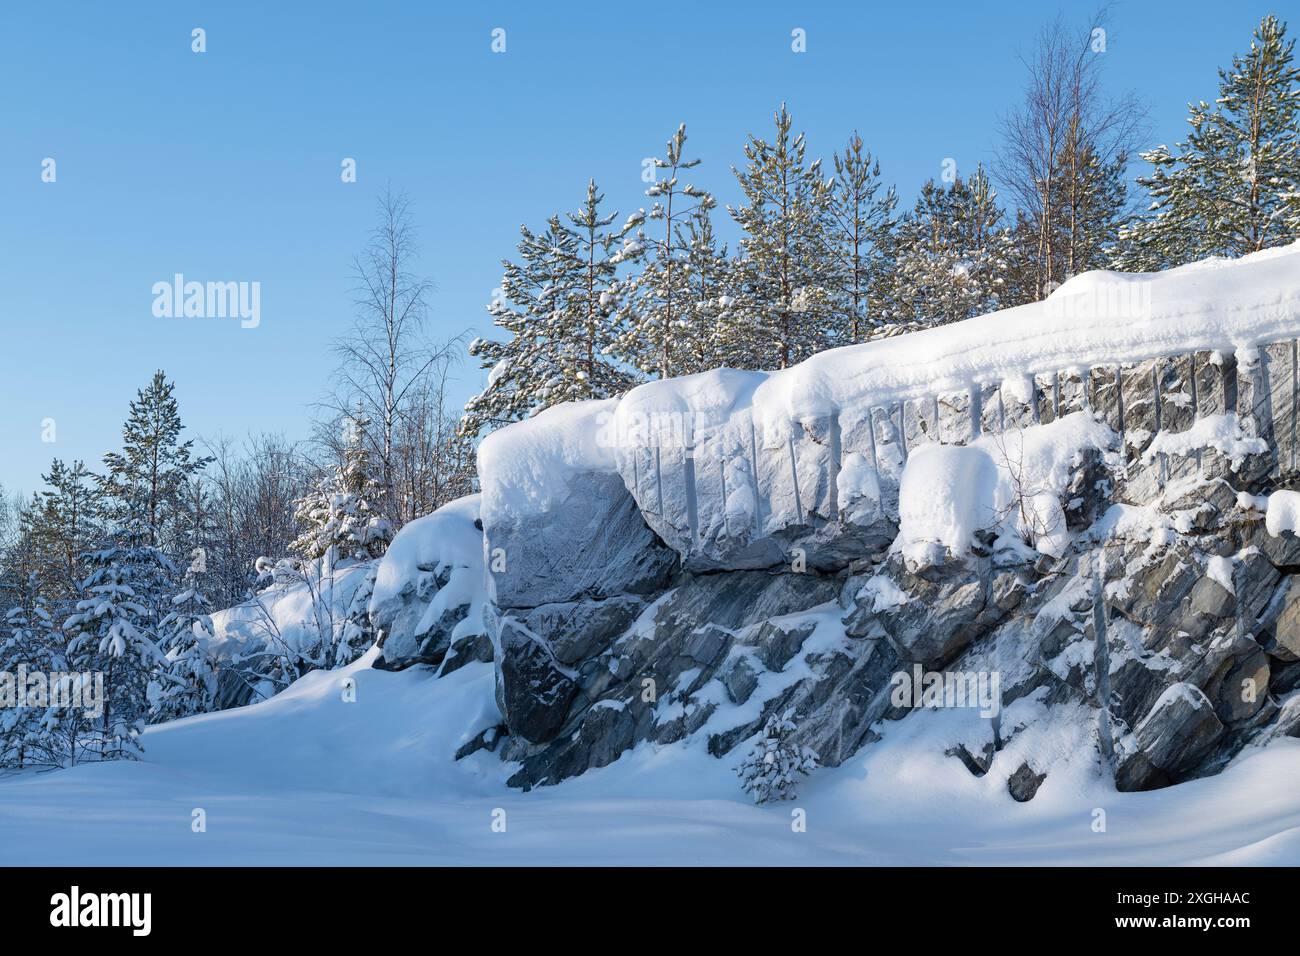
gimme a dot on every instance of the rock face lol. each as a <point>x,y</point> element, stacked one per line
<point>1171,741</point>
<point>717,655</point>
<point>428,606</point>
<point>703,588</point>
<point>562,589</point>
<point>593,545</point>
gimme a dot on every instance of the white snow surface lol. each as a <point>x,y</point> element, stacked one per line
<point>1220,432</point>
<point>1011,483</point>
<point>1283,512</point>
<point>445,539</point>
<point>290,616</point>
<point>1096,318</point>
<point>307,778</point>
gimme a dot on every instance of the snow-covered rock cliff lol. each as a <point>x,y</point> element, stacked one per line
<point>1060,509</point>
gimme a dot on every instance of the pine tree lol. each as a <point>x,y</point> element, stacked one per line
<point>341,516</point>
<point>593,315</point>
<point>1233,187</point>
<point>786,282</point>
<point>860,237</point>
<point>662,317</point>
<point>707,301</point>
<point>561,307</point>
<point>771,769</point>
<point>60,525</point>
<point>146,481</point>
<point>1022,271</point>
<point>950,253</point>
<point>1092,197</point>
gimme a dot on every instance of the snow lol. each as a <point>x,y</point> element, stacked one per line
<point>1219,569</point>
<point>1011,483</point>
<point>1283,512</point>
<point>524,467</point>
<point>946,495</point>
<point>857,483</point>
<point>1097,318</point>
<point>290,617</point>
<point>447,538</point>
<point>1220,432</point>
<point>884,593</point>
<point>309,779</point>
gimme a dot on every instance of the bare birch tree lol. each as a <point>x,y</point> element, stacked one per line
<point>388,367</point>
<point>1065,139</point>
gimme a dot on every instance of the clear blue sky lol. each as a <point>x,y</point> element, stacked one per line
<point>225,165</point>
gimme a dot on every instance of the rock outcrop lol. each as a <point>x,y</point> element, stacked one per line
<point>1127,581</point>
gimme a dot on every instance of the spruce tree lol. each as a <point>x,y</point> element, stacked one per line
<point>1233,186</point>
<point>786,280</point>
<point>26,642</point>
<point>358,632</point>
<point>342,517</point>
<point>185,682</point>
<point>771,770</point>
<point>114,630</point>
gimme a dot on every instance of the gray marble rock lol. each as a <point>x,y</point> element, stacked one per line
<point>1173,738</point>
<point>594,544</point>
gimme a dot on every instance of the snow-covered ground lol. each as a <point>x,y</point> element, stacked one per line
<point>307,778</point>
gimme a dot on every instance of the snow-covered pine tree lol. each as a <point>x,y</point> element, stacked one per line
<point>341,518</point>
<point>114,630</point>
<point>860,242</point>
<point>786,280</point>
<point>1233,187</point>
<point>770,771</point>
<point>560,306</point>
<point>950,253</point>
<point>661,317</point>
<point>186,683</point>
<point>702,337</point>
<point>594,315</point>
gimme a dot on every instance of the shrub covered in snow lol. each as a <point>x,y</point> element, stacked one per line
<point>771,769</point>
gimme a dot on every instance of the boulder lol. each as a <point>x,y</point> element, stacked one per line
<point>1024,783</point>
<point>1170,742</point>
